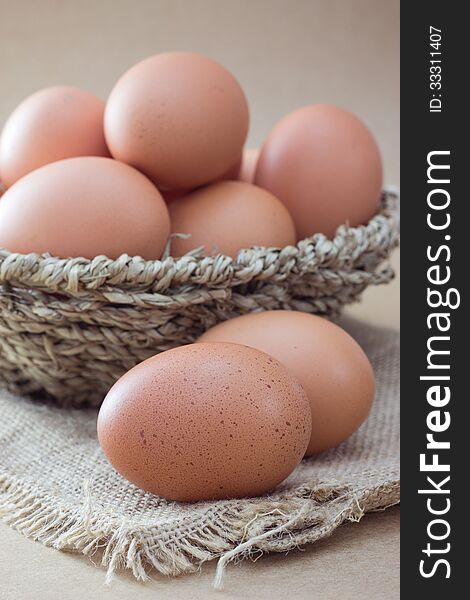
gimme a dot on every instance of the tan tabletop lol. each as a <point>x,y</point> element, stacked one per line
<point>285,53</point>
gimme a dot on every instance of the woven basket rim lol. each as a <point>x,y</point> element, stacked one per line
<point>73,274</point>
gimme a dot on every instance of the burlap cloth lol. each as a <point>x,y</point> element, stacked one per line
<point>57,487</point>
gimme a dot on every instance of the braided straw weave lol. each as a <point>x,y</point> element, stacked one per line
<point>71,327</point>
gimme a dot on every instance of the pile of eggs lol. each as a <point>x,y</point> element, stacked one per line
<point>232,414</point>
<point>165,155</point>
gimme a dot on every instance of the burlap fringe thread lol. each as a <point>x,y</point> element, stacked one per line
<point>71,328</point>
<point>240,533</point>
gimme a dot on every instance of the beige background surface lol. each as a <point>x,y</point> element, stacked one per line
<point>285,53</point>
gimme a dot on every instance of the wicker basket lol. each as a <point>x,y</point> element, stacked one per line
<point>70,328</point>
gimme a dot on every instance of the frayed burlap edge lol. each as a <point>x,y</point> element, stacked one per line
<point>310,513</point>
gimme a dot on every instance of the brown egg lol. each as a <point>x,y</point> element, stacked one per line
<point>84,207</point>
<point>331,366</point>
<point>205,421</point>
<point>324,165</point>
<point>248,165</point>
<point>228,216</point>
<point>52,124</point>
<point>178,117</point>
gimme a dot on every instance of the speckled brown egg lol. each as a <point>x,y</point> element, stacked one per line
<point>179,117</point>
<point>206,421</point>
<point>325,165</point>
<point>328,362</point>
